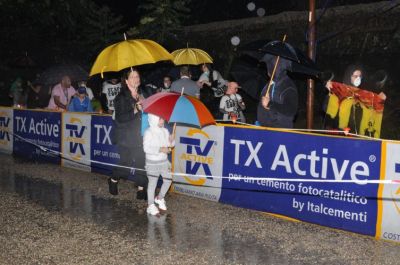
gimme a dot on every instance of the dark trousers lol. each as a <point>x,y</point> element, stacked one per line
<point>131,157</point>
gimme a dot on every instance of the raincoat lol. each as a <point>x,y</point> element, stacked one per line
<point>283,96</point>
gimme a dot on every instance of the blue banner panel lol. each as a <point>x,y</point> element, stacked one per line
<point>102,150</point>
<point>272,154</point>
<point>37,128</point>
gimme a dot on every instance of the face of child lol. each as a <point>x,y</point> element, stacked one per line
<point>161,122</point>
<point>231,90</point>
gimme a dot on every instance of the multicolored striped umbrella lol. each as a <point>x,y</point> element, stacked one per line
<point>177,108</point>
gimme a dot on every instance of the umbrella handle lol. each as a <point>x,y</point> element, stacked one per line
<point>274,70</point>
<point>174,130</point>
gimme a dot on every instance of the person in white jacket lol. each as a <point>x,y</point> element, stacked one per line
<point>157,144</point>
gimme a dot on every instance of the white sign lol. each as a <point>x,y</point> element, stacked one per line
<point>76,141</point>
<point>198,157</point>
<point>390,226</point>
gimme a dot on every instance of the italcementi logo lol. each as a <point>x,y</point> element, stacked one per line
<point>4,130</point>
<point>199,156</point>
<point>75,130</point>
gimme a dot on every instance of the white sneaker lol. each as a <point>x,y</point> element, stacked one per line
<point>161,204</point>
<point>152,209</point>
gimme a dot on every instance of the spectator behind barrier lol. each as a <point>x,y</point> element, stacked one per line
<point>61,94</point>
<point>80,102</point>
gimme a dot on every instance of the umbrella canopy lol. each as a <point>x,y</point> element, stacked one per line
<point>191,56</point>
<point>282,49</point>
<point>300,63</point>
<point>177,108</point>
<point>129,53</point>
<point>54,74</point>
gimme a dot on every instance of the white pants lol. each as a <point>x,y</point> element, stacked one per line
<point>155,169</point>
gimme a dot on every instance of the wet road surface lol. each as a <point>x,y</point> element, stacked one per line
<point>54,215</point>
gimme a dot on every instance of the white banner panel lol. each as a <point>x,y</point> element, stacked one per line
<point>76,140</point>
<point>6,129</point>
<point>199,152</point>
<point>390,227</point>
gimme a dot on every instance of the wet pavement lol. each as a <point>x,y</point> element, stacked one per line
<point>54,215</point>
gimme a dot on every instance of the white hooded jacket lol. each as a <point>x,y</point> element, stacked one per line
<point>154,138</point>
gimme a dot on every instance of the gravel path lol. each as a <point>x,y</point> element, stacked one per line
<point>54,215</point>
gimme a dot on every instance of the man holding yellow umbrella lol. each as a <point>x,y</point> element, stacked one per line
<point>185,57</point>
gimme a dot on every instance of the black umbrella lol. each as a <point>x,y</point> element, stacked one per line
<point>300,63</point>
<point>53,75</point>
<point>282,49</point>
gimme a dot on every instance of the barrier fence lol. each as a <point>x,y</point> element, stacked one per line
<point>340,182</point>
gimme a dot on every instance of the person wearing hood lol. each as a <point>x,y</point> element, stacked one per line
<point>279,107</point>
<point>126,134</point>
<point>157,144</point>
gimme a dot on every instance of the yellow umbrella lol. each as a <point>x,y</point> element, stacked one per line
<point>191,56</point>
<point>129,53</point>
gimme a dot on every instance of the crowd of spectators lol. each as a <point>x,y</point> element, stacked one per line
<point>224,103</point>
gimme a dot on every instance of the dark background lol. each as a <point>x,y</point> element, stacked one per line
<point>50,37</point>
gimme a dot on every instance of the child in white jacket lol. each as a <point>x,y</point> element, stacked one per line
<point>157,144</point>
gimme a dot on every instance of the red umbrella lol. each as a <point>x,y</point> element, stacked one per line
<point>177,108</point>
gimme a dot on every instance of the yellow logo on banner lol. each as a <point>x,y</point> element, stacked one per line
<point>396,200</point>
<point>4,131</point>
<point>196,156</point>
<point>76,129</point>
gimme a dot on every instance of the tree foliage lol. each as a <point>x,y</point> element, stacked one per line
<point>162,19</point>
<point>103,28</point>
<point>55,28</point>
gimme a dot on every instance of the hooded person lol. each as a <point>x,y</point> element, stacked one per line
<point>157,144</point>
<point>279,107</point>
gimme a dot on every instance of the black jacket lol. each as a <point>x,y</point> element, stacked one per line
<point>283,97</point>
<point>127,123</point>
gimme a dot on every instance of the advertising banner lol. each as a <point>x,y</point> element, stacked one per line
<point>6,128</point>
<point>198,152</point>
<point>76,140</point>
<point>272,154</point>
<point>102,150</point>
<point>37,129</point>
<point>389,228</point>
